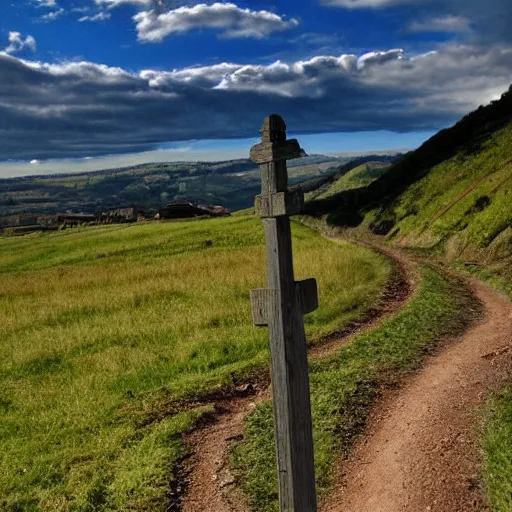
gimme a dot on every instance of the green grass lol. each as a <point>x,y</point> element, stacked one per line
<point>360,176</point>
<point>103,329</point>
<point>460,211</point>
<point>468,194</point>
<point>498,275</point>
<point>344,387</point>
<point>497,443</point>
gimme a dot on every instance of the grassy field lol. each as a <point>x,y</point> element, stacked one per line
<point>103,329</point>
<point>498,451</point>
<point>344,387</point>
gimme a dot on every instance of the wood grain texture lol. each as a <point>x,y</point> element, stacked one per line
<point>276,151</point>
<point>290,380</point>
<point>260,300</point>
<point>281,306</point>
<point>280,203</point>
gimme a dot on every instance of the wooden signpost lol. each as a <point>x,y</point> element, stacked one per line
<point>281,307</point>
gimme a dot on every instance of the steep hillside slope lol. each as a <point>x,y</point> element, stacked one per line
<point>463,205</point>
<point>453,195</point>
<point>360,176</point>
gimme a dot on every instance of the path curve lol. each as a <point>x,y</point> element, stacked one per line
<point>420,450</point>
<point>209,482</point>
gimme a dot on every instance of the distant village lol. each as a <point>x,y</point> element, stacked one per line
<point>59,221</point>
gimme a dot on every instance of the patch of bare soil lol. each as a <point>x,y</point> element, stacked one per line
<point>420,451</point>
<point>210,484</point>
<point>208,480</point>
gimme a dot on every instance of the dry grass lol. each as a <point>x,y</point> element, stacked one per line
<point>98,326</point>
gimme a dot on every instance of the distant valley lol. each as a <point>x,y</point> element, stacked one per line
<point>232,184</point>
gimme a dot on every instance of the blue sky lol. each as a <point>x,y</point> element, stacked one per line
<point>99,82</point>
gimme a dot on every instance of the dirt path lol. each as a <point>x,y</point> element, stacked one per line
<point>210,485</point>
<point>420,450</point>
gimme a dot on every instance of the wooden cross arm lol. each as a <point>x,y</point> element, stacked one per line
<point>280,203</point>
<point>307,292</point>
<point>267,152</point>
<point>263,303</point>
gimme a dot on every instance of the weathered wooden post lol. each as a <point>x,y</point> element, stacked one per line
<point>281,307</point>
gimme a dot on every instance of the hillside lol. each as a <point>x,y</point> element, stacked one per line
<point>451,196</point>
<point>360,176</point>
<point>352,174</point>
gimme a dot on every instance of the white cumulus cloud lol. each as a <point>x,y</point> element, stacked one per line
<point>18,44</point>
<point>231,20</point>
<point>448,24</point>
<point>74,109</point>
<point>379,57</point>
<point>52,16</point>
<point>101,16</point>
<point>46,3</point>
<point>117,3</point>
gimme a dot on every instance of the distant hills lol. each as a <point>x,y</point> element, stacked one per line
<point>359,176</point>
<point>148,187</point>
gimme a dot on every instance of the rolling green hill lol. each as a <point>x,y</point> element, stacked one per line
<point>355,173</point>
<point>465,201</point>
<point>360,176</point>
<point>452,196</point>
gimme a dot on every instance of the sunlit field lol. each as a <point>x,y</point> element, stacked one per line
<point>103,330</point>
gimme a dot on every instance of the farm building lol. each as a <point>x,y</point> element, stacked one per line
<point>120,215</point>
<point>73,219</point>
<point>184,210</point>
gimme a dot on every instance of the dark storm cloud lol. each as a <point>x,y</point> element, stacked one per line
<point>79,109</point>
<point>491,19</point>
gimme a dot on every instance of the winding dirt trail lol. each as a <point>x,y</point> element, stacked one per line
<point>419,451</point>
<point>210,485</point>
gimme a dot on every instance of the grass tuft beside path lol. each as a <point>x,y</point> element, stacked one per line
<point>497,444</point>
<point>103,329</point>
<point>344,387</point>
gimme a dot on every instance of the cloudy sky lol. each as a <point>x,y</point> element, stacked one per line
<point>86,84</point>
